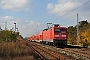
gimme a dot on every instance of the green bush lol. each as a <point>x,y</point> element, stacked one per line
<point>8,36</point>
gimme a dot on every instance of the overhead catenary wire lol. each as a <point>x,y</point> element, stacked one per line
<point>74,15</point>
<point>73,10</point>
<point>76,8</point>
<point>61,9</point>
<point>69,11</point>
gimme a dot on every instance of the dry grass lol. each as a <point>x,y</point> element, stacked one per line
<point>16,51</point>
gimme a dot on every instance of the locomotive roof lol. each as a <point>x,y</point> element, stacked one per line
<point>45,29</point>
<point>59,27</point>
<point>55,26</point>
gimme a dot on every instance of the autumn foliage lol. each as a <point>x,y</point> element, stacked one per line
<point>83,33</point>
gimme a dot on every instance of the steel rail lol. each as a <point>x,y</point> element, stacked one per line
<point>58,57</point>
<point>77,54</point>
<point>41,57</point>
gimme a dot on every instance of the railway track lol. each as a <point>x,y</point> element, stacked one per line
<point>47,53</point>
<point>43,53</point>
<point>77,54</point>
<point>39,56</point>
<point>73,53</point>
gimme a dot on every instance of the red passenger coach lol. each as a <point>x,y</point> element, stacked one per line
<point>30,38</point>
<point>34,37</point>
<point>37,38</point>
<point>55,35</point>
<point>40,37</point>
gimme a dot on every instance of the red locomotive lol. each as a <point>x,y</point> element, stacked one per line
<point>55,35</point>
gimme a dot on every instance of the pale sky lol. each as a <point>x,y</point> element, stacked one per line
<point>31,16</point>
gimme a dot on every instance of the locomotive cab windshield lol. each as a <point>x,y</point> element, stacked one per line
<point>59,30</point>
<point>63,30</point>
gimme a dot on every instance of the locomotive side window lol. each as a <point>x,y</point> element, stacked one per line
<point>57,30</point>
<point>63,31</point>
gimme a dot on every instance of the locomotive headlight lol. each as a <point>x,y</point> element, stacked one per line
<point>56,35</point>
<point>63,35</point>
<point>65,38</point>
